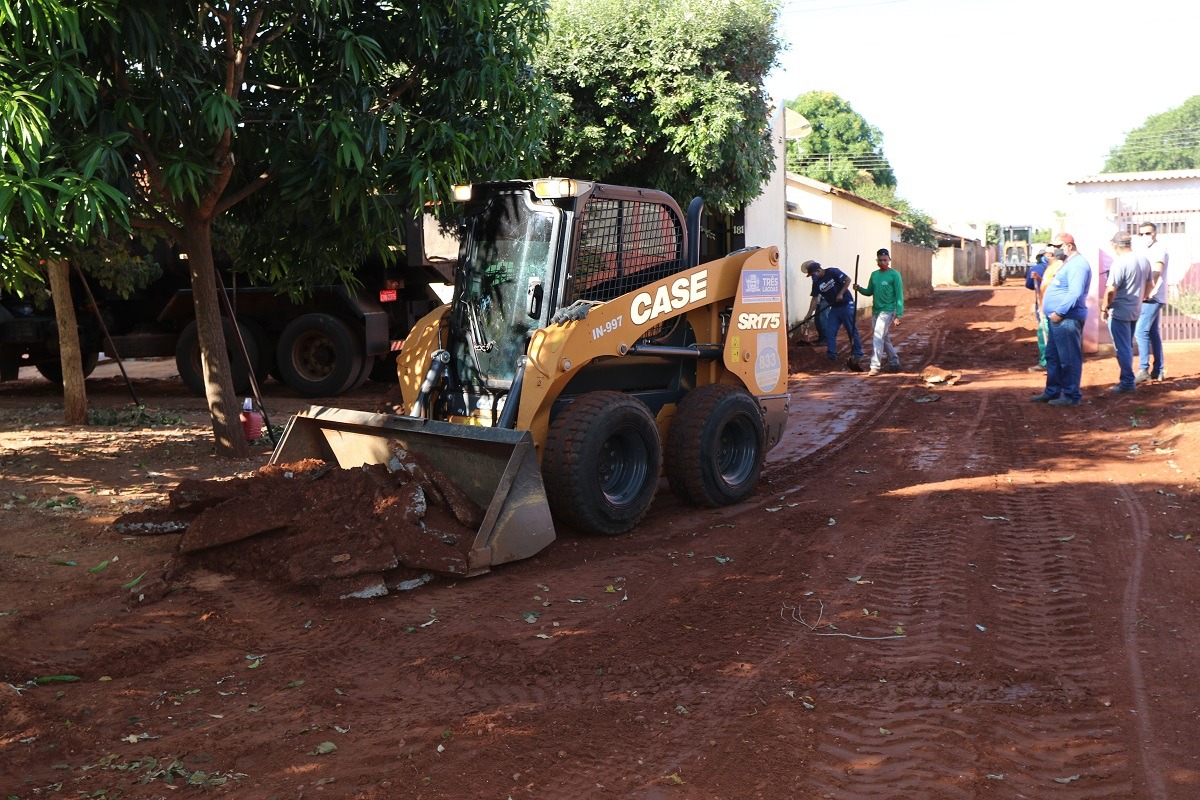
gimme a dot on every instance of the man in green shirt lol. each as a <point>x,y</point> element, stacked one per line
<point>887,290</point>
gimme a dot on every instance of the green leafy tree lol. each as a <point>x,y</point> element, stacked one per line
<point>315,128</point>
<point>993,233</point>
<point>56,172</point>
<point>846,151</point>
<point>666,94</point>
<point>843,149</point>
<point>1170,140</point>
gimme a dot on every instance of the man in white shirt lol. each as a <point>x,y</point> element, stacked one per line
<point>1147,336</point>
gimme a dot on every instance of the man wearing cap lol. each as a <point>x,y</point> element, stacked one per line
<point>1121,305</point>
<point>887,289</point>
<point>1065,305</point>
<point>832,286</point>
<point>1147,335</point>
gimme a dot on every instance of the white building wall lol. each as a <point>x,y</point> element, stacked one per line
<point>851,229</point>
<point>1101,205</point>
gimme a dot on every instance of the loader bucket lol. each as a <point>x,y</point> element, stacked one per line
<point>496,467</point>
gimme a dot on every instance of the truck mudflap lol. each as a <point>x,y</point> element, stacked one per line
<point>496,467</point>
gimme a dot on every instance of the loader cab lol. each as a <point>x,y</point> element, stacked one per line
<point>507,278</point>
<point>531,248</point>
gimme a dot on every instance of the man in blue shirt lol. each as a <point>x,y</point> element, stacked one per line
<point>1065,306</point>
<point>833,286</point>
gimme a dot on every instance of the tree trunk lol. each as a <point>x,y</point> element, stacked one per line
<point>223,405</point>
<point>70,358</point>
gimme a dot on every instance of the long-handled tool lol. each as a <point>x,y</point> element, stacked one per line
<point>852,363</point>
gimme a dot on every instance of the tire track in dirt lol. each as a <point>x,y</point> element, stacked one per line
<point>908,739</point>
<point>1042,626</point>
<point>1140,534</point>
<point>725,695</point>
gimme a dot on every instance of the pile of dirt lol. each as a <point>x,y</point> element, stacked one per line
<point>351,532</point>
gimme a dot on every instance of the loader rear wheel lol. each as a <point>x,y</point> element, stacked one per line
<point>318,355</point>
<point>997,275</point>
<point>602,463</point>
<point>714,449</point>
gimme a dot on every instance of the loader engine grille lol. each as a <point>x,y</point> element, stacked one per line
<point>625,244</point>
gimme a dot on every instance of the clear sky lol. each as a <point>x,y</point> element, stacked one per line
<point>988,107</point>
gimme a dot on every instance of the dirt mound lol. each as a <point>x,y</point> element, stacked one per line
<point>351,532</point>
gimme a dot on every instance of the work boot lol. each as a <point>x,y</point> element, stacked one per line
<point>893,367</point>
<point>1142,376</point>
<point>1119,389</point>
<point>874,371</point>
<point>1036,368</point>
<point>1043,398</point>
<point>1158,375</point>
<point>1062,401</point>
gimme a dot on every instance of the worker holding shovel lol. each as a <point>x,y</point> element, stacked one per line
<point>832,286</point>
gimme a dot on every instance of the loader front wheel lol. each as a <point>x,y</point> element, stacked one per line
<point>715,446</point>
<point>602,463</point>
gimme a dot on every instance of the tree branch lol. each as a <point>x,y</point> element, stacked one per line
<point>241,194</point>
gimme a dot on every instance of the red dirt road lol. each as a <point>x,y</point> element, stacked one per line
<point>935,593</point>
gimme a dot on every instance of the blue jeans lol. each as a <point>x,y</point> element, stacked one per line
<point>1148,338</point>
<point>842,317</point>
<point>1122,336</point>
<point>1064,359</point>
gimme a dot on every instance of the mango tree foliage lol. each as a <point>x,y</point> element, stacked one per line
<point>1170,140</point>
<point>57,172</point>
<point>312,128</point>
<point>843,149</point>
<point>666,94</point>
<point>846,151</point>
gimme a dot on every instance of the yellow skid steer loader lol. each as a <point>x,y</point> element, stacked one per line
<point>584,353</point>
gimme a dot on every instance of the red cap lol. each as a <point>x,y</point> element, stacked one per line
<point>1066,238</point>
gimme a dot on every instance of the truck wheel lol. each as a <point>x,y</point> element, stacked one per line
<point>265,364</point>
<point>364,374</point>
<point>715,446</point>
<point>52,370</point>
<point>318,355</point>
<point>997,275</point>
<point>383,370</point>
<point>191,371</point>
<point>602,462</point>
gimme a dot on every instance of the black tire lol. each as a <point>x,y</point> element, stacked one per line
<point>187,357</point>
<point>997,274</point>
<point>368,363</point>
<point>602,463</point>
<point>715,446</point>
<point>266,349</point>
<point>52,370</point>
<point>383,370</point>
<point>318,355</point>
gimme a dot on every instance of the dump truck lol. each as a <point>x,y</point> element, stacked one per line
<point>584,354</point>
<point>323,345</point>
